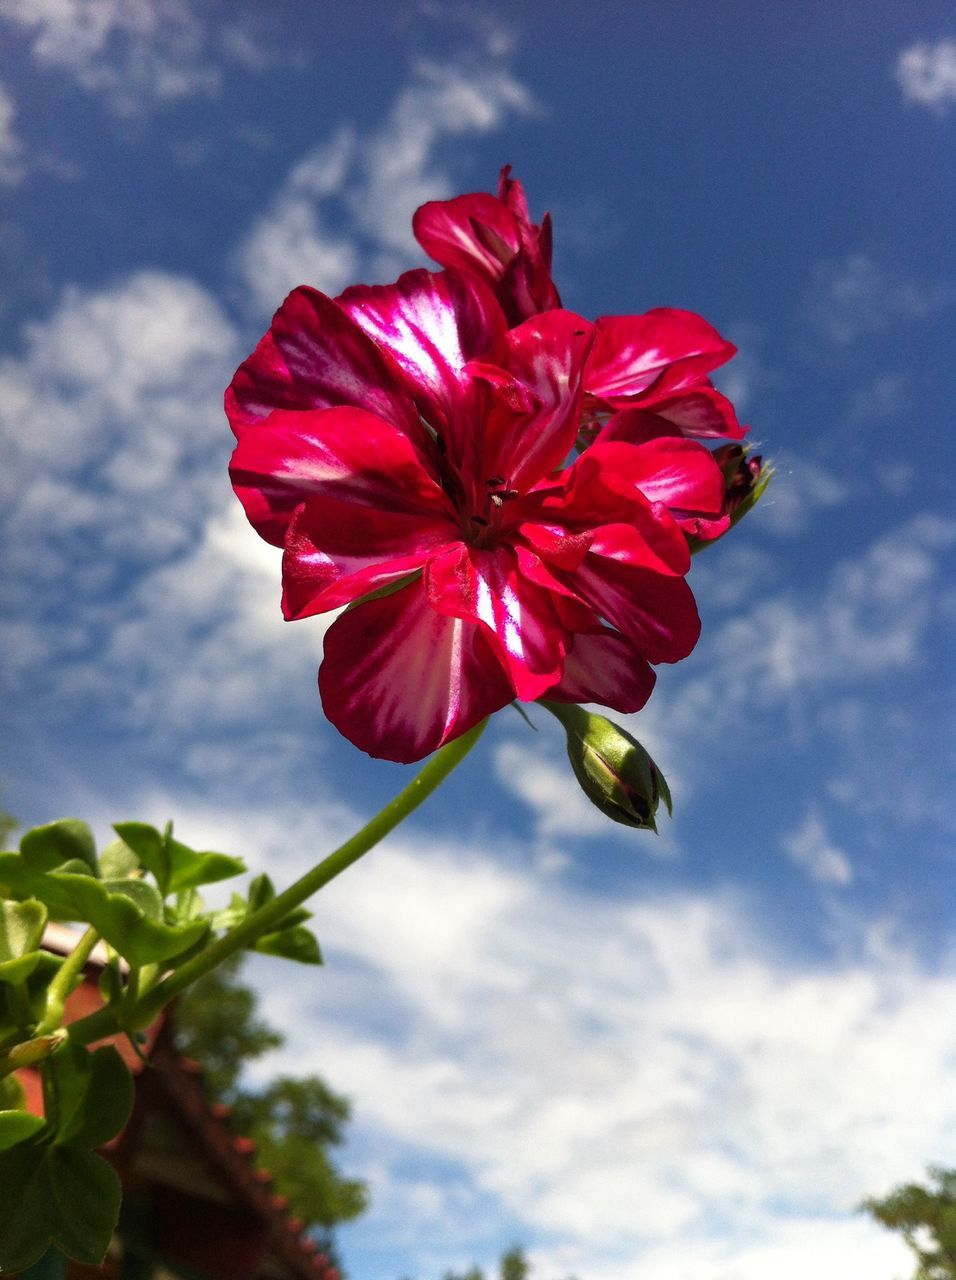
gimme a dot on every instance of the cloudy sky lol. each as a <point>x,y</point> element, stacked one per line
<point>676,1059</point>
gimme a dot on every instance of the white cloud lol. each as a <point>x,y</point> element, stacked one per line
<point>812,849</point>
<point>345,210</point>
<point>128,559</point>
<point>644,1084</point>
<point>869,618</point>
<point>140,54</point>
<point>856,297</point>
<point>550,790</point>
<point>11,149</point>
<point>291,243</point>
<point>135,53</point>
<point>926,72</point>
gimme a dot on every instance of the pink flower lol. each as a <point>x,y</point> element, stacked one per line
<point>655,364</point>
<point>402,440</point>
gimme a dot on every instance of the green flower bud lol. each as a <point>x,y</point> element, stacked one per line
<point>615,772</point>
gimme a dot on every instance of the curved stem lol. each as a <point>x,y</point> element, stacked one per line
<point>104,1022</point>
<point>64,981</point>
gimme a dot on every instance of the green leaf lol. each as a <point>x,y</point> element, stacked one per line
<point>90,1094</point>
<point>128,913</point>
<point>229,917</point>
<point>149,847</point>
<point>12,1095</point>
<point>24,881</point>
<point>69,839</point>
<point>18,1126</point>
<point>174,865</point>
<point>144,896</point>
<point>261,891</point>
<point>62,1196</point>
<point>16,971</point>
<point>187,905</point>
<point>21,927</point>
<point>296,943</point>
<point>189,869</point>
<point>118,861</point>
<point>45,966</point>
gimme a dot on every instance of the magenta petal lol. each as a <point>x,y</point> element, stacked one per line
<point>536,412</point>
<point>315,357</point>
<point>701,412</point>
<point>345,454</point>
<point>473,232</point>
<point>657,613</point>
<point>432,324</point>
<point>605,667</point>
<point>603,494</point>
<point>399,680</point>
<point>520,618</point>
<point>336,552</point>
<point>679,473</point>
<point>662,348</point>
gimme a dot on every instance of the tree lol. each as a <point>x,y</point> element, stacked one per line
<point>294,1121</point>
<point>926,1219</point>
<point>512,1265</point>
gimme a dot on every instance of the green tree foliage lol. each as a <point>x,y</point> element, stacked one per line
<point>295,1121</point>
<point>512,1265</point>
<point>925,1216</point>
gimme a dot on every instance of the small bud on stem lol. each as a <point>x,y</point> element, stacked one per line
<point>615,772</point>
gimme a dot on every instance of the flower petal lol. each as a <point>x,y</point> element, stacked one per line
<point>474,232</point>
<point>535,372</point>
<point>603,494</point>
<point>315,357</point>
<point>701,412</point>
<point>343,453</point>
<point>655,612</point>
<point>432,324</point>
<point>399,680</point>
<point>679,474</point>
<point>605,667</point>
<point>336,552</point>
<point>664,349</point>
<point>520,618</point>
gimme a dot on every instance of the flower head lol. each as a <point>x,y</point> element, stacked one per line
<point>409,451</point>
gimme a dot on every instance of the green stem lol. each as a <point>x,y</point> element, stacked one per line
<point>30,1052</point>
<point>150,1004</point>
<point>64,981</point>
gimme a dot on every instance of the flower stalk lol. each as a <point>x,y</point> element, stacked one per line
<point>64,982</point>
<point>140,1014</point>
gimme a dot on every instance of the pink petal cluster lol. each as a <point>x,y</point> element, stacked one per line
<point>411,448</point>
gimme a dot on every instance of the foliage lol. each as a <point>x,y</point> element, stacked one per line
<point>513,1265</point>
<point>294,1120</point>
<point>925,1216</point>
<point>139,897</point>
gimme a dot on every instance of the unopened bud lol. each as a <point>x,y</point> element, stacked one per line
<point>615,772</point>
<point>745,478</point>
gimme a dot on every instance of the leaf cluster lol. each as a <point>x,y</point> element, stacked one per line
<point>56,1190</point>
<point>140,896</point>
<point>513,1265</point>
<point>925,1216</point>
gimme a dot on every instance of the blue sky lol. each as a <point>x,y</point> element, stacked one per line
<point>685,1058</point>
